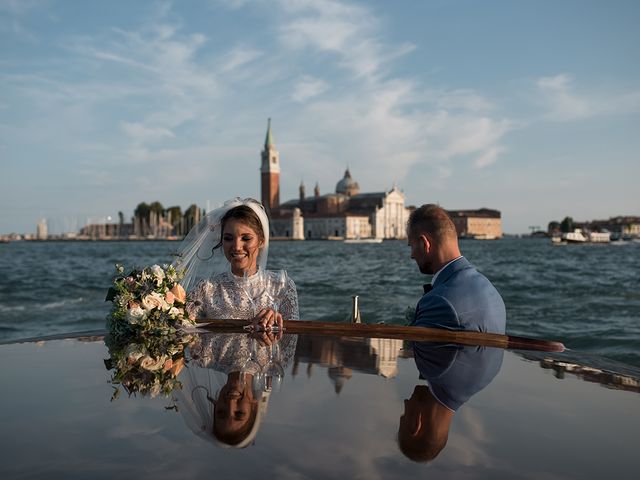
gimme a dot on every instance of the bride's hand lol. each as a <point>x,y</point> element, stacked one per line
<point>268,318</point>
<point>266,339</point>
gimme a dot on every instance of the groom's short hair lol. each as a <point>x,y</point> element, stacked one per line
<point>434,220</point>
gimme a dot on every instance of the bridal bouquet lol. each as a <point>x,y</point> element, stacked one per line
<point>146,364</point>
<point>147,301</point>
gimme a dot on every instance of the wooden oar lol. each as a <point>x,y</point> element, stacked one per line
<point>419,334</point>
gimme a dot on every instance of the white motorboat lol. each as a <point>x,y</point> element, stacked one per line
<point>363,240</point>
<point>578,236</point>
<point>575,237</point>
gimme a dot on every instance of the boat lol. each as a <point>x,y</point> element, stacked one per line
<point>599,237</point>
<point>579,236</point>
<point>363,240</point>
<point>335,411</point>
<point>574,237</point>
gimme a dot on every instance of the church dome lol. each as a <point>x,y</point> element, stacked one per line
<point>347,186</point>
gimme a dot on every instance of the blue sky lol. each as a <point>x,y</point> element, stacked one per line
<point>532,108</point>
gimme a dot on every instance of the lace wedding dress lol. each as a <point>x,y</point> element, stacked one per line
<point>229,296</point>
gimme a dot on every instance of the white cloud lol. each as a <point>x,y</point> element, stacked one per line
<point>349,31</point>
<point>488,157</point>
<point>458,99</point>
<point>239,57</point>
<point>308,87</point>
<point>560,100</point>
<point>143,134</point>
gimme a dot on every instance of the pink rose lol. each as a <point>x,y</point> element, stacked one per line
<point>179,293</point>
<point>167,365</point>
<point>177,366</point>
<point>169,298</point>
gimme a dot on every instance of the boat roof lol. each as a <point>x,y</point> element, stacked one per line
<point>337,414</point>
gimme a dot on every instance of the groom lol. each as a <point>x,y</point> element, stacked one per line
<point>459,297</point>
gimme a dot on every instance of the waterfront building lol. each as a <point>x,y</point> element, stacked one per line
<point>481,224</point>
<point>347,213</point>
<point>621,226</point>
<point>42,230</point>
<point>342,356</point>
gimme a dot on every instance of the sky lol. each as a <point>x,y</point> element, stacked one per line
<point>531,108</point>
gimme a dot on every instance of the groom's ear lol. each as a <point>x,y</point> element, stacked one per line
<point>426,243</point>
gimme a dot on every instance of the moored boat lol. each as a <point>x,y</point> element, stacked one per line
<point>600,237</point>
<point>580,236</point>
<point>363,240</point>
<point>574,237</point>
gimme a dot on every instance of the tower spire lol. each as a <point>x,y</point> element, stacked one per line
<point>268,141</point>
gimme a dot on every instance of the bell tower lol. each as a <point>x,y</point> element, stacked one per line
<point>270,173</point>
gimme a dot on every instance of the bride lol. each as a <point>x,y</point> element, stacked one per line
<point>224,258</point>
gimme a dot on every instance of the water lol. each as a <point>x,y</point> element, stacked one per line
<point>587,296</point>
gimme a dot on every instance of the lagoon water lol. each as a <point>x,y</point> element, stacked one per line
<point>587,296</point>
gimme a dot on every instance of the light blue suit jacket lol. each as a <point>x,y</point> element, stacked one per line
<point>462,299</point>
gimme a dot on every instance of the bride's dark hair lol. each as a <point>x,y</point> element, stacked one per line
<point>247,216</point>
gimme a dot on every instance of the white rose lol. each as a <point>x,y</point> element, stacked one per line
<point>175,312</point>
<point>136,315</point>
<point>158,273</point>
<point>152,364</point>
<point>154,300</point>
<point>134,352</point>
<point>155,390</point>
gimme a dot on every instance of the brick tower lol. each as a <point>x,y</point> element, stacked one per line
<point>270,173</point>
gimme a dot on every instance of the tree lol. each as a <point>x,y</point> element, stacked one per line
<point>553,226</point>
<point>141,215</point>
<point>175,215</point>
<point>142,211</point>
<point>156,207</point>
<point>191,217</point>
<point>566,225</point>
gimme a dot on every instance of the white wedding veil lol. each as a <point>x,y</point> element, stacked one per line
<point>196,255</point>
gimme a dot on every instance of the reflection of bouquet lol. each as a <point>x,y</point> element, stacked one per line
<point>148,300</point>
<point>146,364</point>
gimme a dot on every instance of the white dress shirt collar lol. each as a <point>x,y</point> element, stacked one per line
<point>435,275</point>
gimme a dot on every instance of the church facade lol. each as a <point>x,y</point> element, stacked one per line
<point>344,214</point>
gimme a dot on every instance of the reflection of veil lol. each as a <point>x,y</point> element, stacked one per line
<point>195,402</point>
<point>196,255</point>
<point>454,372</point>
<point>211,358</point>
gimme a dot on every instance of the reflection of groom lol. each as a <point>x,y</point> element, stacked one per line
<point>453,374</point>
<point>459,297</point>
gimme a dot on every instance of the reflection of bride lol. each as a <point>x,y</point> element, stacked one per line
<point>222,399</point>
<point>224,258</point>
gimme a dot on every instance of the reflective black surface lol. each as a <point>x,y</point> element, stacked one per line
<point>337,415</point>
